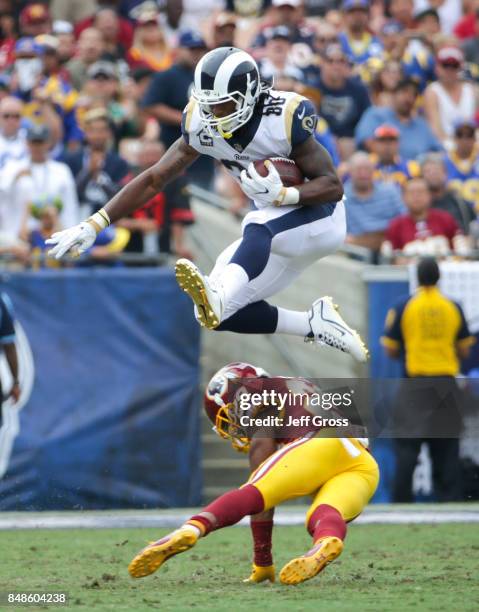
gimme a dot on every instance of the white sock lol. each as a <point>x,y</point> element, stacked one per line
<point>233,278</point>
<point>193,528</point>
<point>293,322</point>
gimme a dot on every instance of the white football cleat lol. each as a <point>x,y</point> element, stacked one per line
<point>328,327</point>
<point>207,299</point>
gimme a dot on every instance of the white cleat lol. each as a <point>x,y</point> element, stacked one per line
<point>328,327</point>
<point>208,301</point>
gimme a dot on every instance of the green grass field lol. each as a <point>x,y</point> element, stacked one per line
<point>397,567</point>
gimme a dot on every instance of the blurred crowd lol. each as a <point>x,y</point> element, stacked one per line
<point>92,93</point>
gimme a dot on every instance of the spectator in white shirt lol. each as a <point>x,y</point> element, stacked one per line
<point>35,177</point>
<point>13,144</point>
<point>450,99</point>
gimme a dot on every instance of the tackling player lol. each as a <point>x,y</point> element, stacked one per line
<point>236,118</point>
<point>288,461</point>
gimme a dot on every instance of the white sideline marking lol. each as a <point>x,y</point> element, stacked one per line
<point>173,518</point>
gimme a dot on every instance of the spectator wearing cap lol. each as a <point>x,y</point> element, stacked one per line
<point>423,230</point>
<point>358,44</point>
<point>344,99</point>
<point>393,40</point>
<point>276,63</point>
<point>35,20</point>
<point>370,204</point>
<point>150,49</point>
<point>287,13</point>
<point>418,59</point>
<point>415,135</point>
<point>102,88</point>
<point>388,164</point>
<point>63,31</point>
<point>224,30</point>
<point>462,163</point>
<point>13,145</point>
<point>25,84</point>
<point>99,172</point>
<point>52,67</point>
<point>90,48</point>
<point>35,177</point>
<point>470,46</point>
<point>27,66</point>
<point>449,99</point>
<point>168,94</point>
<point>55,90</point>
<point>433,169</point>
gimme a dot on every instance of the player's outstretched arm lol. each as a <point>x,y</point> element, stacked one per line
<point>324,185</point>
<point>147,184</point>
<point>262,523</point>
<point>134,195</point>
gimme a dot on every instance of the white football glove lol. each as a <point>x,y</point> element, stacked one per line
<point>268,190</point>
<point>74,240</point>
<point>77,239</point>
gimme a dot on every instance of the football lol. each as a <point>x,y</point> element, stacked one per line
<point>289,172</point>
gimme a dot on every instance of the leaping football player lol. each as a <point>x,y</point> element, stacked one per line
<point>288,461</point>
<point>236,118</point>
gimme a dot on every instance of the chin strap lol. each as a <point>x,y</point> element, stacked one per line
<point>223,134</point>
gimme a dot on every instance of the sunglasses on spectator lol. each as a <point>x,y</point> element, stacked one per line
<point>465,135</point>
<point>102,77</point>
<point>451,65</point>
<point>336,60</point>
<point>11,116</point>
<point>326,41</point>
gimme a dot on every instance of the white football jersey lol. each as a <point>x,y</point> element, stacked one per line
<point>281,121</point>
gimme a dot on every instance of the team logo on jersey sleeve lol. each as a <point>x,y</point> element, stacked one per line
<point>308,124</point>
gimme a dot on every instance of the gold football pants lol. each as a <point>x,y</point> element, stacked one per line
<point>339,472</point>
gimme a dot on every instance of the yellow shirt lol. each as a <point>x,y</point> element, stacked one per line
<point>428,326</point>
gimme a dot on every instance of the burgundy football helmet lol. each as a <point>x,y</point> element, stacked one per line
<point>219,401</point>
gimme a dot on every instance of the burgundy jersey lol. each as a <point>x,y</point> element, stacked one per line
<point>289,405</point>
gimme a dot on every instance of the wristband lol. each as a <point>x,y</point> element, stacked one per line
<point>99,220</point>
<point>287,197</point>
